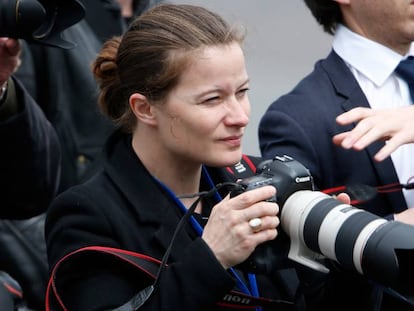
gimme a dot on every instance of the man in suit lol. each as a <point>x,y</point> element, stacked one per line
<point>370,38</point>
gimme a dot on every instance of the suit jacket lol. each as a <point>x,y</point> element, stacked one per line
<point>301,124</point>
<point>124,207</point>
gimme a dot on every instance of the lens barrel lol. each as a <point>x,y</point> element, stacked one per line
<point>357,240</point>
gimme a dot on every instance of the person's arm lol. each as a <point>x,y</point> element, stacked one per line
<point>392,125</point>
<point>30,153</point>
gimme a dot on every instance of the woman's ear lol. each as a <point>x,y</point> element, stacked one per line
<point>142,109</point>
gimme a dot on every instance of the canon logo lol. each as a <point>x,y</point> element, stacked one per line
<point>302,179</point>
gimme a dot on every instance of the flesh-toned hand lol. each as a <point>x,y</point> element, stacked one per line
<point>395,126</point>
<point>228,232</point>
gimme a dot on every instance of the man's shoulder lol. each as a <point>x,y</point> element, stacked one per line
<point>317,86</point>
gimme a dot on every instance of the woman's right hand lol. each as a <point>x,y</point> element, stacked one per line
<point>228,232</point>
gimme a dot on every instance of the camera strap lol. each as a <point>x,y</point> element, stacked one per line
<point>149,266</point>
<point>360,193</point>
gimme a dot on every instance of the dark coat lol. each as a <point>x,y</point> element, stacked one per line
<point>62,83</point>
<point>124,207</point>
<point>29,158</point>
<point>301,124</point>
<point>29,178</point>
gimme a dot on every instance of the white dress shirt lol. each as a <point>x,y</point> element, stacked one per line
<point>373,66</point>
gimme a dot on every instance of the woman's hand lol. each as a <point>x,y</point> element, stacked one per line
<point>228,232</point>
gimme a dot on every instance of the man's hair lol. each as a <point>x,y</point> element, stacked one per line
<point>327,13</point>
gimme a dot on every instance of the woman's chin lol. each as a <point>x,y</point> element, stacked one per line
<point>227,160</point>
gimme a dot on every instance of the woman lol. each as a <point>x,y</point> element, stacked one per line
<point>176,86</point>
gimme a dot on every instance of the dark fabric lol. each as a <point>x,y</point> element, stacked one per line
<point>29,160</point>
<point>301,124</point>
<point>29,170</point>
<point>124,207</point>
<point>10,294</point>
<point>405,70</point>
<point>63,85</point>
<point>23,256</point>
<point>104,16</point>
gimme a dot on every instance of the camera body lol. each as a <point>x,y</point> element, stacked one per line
<point>284,173</point>
<point>287,176</point>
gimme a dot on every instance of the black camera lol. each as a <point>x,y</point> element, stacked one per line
<point>284,173</point>
<point>316,228</point>
<point>287,176</point>
<point>39,21</point>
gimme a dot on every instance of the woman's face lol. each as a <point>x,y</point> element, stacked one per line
<point>205,115</point>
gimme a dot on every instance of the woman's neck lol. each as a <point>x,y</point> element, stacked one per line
<point>179,174</point>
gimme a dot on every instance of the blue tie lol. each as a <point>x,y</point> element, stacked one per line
<point>405,70</point>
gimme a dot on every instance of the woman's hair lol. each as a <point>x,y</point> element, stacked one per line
<point>327,13</point>
<point>153,53</point>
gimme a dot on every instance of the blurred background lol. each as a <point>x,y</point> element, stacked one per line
<point>282,44</point>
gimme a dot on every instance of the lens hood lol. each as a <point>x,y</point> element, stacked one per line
<point>40,21</point>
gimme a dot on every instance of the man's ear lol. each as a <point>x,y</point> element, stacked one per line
<point>142,109</point>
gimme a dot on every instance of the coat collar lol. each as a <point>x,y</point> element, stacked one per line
<point>150,201</point>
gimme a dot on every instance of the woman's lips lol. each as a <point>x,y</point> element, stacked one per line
<point>233,140</point>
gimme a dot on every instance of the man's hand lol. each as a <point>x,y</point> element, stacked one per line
<point>9,58</point>
<point>392,125</point>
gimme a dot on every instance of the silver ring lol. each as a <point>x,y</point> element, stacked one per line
<point>255,224</point>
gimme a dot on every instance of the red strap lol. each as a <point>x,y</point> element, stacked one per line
<point>246,160</point>
<point>127,256</point>
<point>360,193</point>
<point>150,266</point>
<point>249,163</point>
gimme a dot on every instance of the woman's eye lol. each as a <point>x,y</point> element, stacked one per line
<point>212,99</point>
<point>242,92</point>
